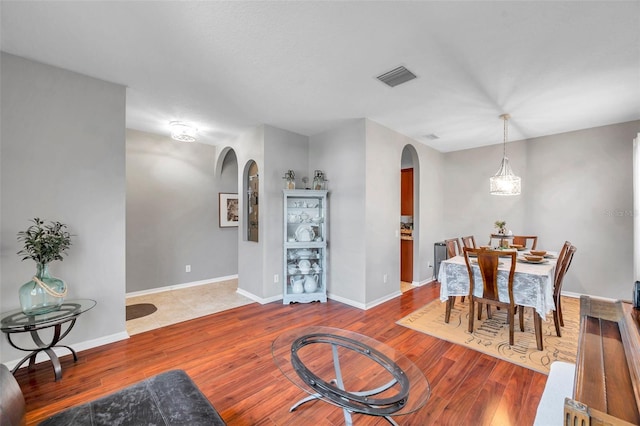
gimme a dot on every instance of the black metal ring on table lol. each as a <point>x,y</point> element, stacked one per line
<point>358,403</point>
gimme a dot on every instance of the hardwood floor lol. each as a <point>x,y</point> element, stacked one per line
<point>228,356</point>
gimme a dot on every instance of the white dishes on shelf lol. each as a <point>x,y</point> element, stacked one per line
<point>305,233</point>
<point>304,266</point>
<point>304,253</point>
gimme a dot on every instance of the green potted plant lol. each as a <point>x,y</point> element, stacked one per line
<point>500,226</point>
<point>43,244</point>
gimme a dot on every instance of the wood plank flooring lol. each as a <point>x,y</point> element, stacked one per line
<point>228,356</point>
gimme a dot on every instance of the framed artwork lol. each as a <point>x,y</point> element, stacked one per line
<point>228,210</point>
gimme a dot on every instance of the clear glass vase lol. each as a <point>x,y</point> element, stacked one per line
<point>43,293</point>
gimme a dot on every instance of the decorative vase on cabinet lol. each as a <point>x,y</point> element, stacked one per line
<point>305,246</point>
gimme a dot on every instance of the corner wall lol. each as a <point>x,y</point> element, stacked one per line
<point>62,146</point>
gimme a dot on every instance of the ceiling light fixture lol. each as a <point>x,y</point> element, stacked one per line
<point>183,132</point>
<point>505,182</point>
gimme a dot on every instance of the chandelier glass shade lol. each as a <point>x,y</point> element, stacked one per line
<point>504,182</point>
<point>183,132</point>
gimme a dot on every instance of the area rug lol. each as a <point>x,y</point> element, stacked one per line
<point>139,310</point>
<point>491,336</point>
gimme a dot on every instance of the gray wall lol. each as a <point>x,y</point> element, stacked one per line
<point>340,154</point>
<point>63,158</point>
<point>384,149</point>
<point>362,161</point>
<point>275,151</point>
<point>172,213</point>
<point>284,150</point>
<point>576,186</point>
<point>250,146</point>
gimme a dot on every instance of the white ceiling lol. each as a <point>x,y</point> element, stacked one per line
<point>309,66</point>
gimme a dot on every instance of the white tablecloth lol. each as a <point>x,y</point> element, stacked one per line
<point>532,283</point>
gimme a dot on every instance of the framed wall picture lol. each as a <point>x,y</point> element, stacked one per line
<point>228,209</point>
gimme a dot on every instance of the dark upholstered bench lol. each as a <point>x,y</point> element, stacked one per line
<point>169,398</point>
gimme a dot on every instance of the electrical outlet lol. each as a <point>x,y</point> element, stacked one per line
<point>187,268</point>
<point>384,278</point>
<point>429,265</point>
<point>276,278</point>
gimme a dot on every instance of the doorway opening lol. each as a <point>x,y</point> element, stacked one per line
<point>408,217</point>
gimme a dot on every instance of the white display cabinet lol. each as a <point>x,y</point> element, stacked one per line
<point>305,246</point>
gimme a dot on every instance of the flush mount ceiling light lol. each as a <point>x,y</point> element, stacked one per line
<point>504,182</point>
<point>182,132</point>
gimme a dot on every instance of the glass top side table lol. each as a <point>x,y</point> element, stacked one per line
<point>352,371</point>
<point>17,322</point>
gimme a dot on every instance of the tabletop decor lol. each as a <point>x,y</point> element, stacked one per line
<point>289,180</point>
<point>319,180</point>
<point>43,244</point>
<point>501,226</point>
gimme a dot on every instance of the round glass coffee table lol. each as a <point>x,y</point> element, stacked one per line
<point>352,371</point>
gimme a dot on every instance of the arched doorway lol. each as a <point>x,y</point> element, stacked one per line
<point>409,203</point>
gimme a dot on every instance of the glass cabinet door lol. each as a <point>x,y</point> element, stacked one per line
<point>305,234</point>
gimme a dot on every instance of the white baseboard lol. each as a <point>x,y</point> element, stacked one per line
<point>78,347</point>
<point>421,283</point>
<point>381,300</point>
<point>364,306</point>
<point>257,299</point>
<point>180,286</point>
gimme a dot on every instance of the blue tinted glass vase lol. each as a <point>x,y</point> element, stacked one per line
<point>43,293</point>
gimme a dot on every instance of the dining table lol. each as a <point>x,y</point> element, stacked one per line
<point>532,284</point>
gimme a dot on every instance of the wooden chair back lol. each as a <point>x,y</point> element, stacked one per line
<point>453,247</point>
<point>559,262</point>
<point>469,242</point>
<point>561,270</point>
<point>488,262</point>
<point>523,240</point>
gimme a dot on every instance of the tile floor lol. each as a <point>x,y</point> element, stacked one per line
<point>184,304</point>
<point>179,305</point>
<point>405,286</point>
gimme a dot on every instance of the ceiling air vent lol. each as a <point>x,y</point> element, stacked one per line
<point>396,76</point>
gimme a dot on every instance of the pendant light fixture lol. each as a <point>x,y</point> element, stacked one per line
<point>505,182</point>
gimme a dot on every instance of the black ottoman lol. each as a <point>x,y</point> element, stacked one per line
<point>169,398</point>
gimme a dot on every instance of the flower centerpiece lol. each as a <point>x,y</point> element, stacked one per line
<point>43,244</point>
<point>501,226</point>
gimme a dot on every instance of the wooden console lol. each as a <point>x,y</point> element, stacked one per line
<point>606,389</point>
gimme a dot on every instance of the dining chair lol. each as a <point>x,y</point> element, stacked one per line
<point>453,247</point>
<point>561,271</point>
<point>469,242</point>
<point>488,262</point>
<point>523,240</point>
<point>561,255</point>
